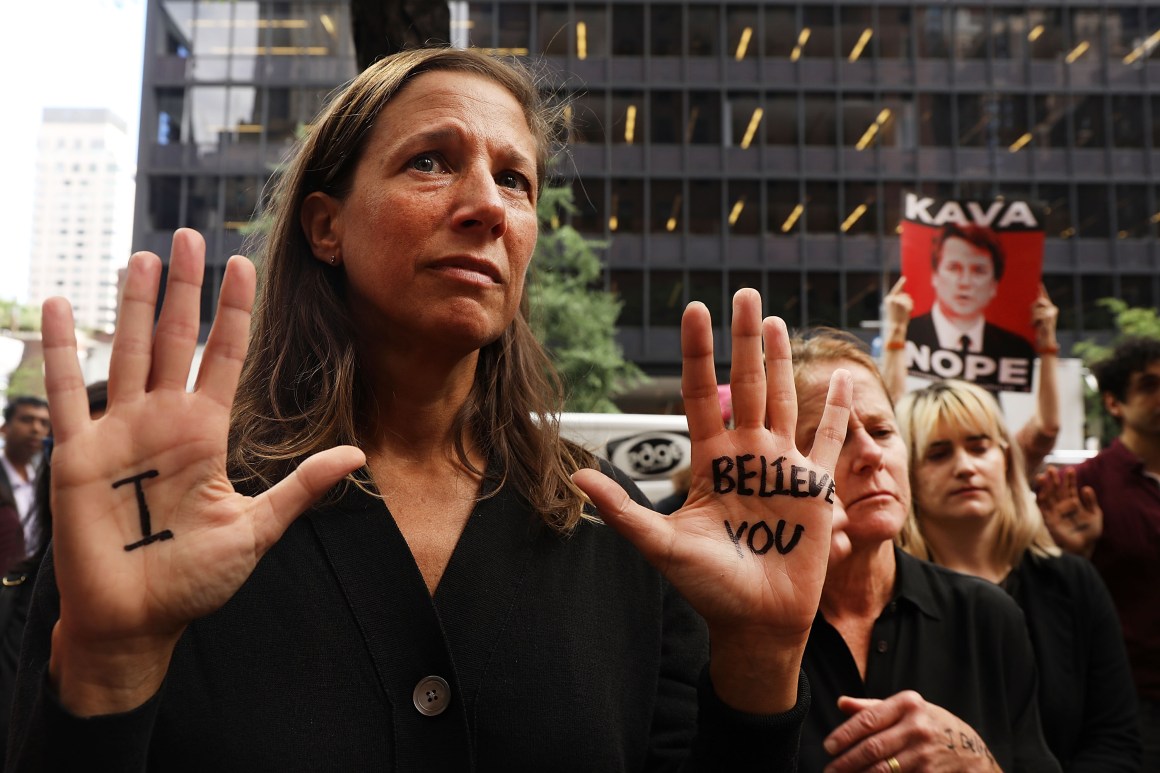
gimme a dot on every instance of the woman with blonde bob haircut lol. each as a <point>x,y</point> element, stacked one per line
<point>973,511</point>
<point>1017,525</point>
<point>464,590</point>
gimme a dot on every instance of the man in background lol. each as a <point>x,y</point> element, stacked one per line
<point>26,427</point>
<point>1108,508</point>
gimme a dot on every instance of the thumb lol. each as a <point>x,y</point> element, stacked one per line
<point>649,531</point>
<point>277,508</point>
<point>851,706</point>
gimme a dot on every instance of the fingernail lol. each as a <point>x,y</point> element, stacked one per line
<point>830,745</point>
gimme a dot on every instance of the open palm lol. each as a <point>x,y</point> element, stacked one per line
<point>749,549</point>
<point>148,532</point>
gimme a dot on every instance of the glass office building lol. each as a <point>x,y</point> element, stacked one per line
<point>720,145</point>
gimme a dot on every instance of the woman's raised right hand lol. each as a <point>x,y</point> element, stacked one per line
<point>148,532</point>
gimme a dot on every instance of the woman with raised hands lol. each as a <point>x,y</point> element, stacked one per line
<point>450,600</point>
<point>974,512</point>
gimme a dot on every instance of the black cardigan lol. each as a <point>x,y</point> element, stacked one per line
<point>562,654</point>
<point>1086,696</point>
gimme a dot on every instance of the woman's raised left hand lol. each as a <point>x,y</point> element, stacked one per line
<point>749,549</point>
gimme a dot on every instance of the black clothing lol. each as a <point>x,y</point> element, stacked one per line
<point>998,345</point>
<point>561,654</point>
<point>15,598</point>
<point>958,641</point>
<point>1086,695</point>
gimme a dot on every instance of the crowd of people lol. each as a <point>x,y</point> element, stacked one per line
<point>360,542</point>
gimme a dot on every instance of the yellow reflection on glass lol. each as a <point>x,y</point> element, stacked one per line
<point>751,129</point>
<point>1077,52</point>
<point>853,217</point>
<point>803,36</point>
<point>856,52</point>
<point>1019,144</point>
<point>743,44</point>
<point>735,213</point>
<point>790,221</point>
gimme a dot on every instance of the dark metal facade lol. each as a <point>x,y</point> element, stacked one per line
<point>721,145</point>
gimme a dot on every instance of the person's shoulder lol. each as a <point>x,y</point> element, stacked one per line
<point>953,589</point>
<point>1110,459</point>
<point>1071,574</point>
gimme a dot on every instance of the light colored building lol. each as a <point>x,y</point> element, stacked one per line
<point>82,221</point>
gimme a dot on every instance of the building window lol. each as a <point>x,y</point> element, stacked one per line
<point>822,293</point>
<point>666,298</point>
<point>703,121</point>
<point>627,30</point>
<point>704,30</point>
<point>1133,218</point>
<point>822,208</point>
<point>706,287</point>
<point>667,30</point>
<point>934,31</point>
<point>626,207</point>
<point>704,206</point>
<point>1092,206</point>
<point>666,117</point>
<point>513,27</point>
<point>164,203</point>
<point>480,25</point>
<point>741,32</point>
<point>629,288</point>
<point>591,32</point>
<point>744,208</point>
<point>667,207</point>
<point>553,30</point>
<point>781,31</point>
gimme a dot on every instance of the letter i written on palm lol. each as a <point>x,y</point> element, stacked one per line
<point>129,584</point>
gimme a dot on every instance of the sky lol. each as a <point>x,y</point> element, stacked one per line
<point>59,53</point>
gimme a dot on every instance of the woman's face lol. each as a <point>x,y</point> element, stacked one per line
<point>438,229</point>
<point>871,476</point>
<point>962,474</point>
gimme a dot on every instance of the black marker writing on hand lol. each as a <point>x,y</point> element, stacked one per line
<point>770,538</point>
<point>731,475</point>
<point>143,510</point>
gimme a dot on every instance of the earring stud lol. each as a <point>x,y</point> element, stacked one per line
<point>333,259</point>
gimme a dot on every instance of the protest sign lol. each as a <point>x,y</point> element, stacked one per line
<point>973,269</point>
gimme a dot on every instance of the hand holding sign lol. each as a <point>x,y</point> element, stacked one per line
<point>898,306</point>
<point>1044,316</point>
<point>749,549</point>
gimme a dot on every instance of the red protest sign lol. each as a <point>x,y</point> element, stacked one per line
<point>973,269</point>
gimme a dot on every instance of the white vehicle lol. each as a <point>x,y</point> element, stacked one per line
<point>649,447</point>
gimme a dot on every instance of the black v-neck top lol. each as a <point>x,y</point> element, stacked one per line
<point>558,653</point>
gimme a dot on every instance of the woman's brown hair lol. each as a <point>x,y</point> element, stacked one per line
<point>301,390</point>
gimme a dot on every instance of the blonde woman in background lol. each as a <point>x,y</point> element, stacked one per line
<point>973,511</point>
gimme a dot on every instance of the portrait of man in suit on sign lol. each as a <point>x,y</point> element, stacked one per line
<point>967,263</point>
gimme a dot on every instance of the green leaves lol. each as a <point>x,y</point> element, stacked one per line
<point>572,315</point>
<point>1129,321</point>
